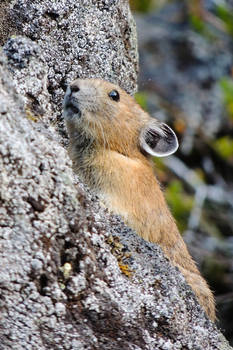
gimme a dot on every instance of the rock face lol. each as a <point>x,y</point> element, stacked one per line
<point>78,39</point>
<point>72,276</point>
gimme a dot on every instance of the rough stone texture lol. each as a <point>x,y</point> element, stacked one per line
<point>66,280</point>
<point>30,74</point>
<point>78,39</point>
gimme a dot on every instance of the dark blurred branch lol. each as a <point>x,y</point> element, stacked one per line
<point>202,192</point>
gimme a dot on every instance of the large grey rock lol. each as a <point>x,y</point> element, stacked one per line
<point>77,39</point>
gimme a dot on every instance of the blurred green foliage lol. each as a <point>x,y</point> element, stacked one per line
<point>141,5</point>
<point>146,5</point>
<point>141,98</point>
<point>226,85</point>
<point>214,270</point>
<point>201,27</point>
<point>180,203</point>
<point>214,24</point>
<point>206,23</point>
<point>197,23</point>
<point>224,147</point>
<point>226,15</point>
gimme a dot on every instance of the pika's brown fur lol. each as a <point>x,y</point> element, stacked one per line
<point>110,139</point>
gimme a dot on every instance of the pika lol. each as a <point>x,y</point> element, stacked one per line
<point>112,141</point>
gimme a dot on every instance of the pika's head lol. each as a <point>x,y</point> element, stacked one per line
<point>108,115</point>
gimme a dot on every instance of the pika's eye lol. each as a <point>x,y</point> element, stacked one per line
<point>114,95</point>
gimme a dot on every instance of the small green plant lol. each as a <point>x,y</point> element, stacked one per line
<point>180,203</point>
<point>142,5</point>
<point>200,26</point>
<point>226,85</point>
<point>197,23</point>
<point>226,15</point>
<point>224,147</point>
<point>214,270</point>
<point>141,99</point>
<point>197,19</point>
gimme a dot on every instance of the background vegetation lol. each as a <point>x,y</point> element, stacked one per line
<point>186,80</point>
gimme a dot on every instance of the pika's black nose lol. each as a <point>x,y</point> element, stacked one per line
<point>74,88</point>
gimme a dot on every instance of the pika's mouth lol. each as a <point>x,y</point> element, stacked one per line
<point>71,108</point>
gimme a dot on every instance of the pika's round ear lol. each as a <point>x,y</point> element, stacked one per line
<point>158,139</point>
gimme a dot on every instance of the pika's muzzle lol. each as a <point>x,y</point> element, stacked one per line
<point>71,105</point>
